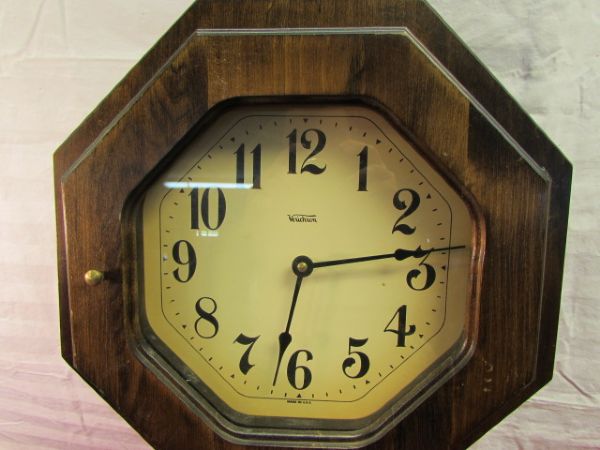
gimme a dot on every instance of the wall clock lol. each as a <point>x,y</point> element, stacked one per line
<point>287,230</point>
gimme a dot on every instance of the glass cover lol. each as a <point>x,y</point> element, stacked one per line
<point>306,272</point>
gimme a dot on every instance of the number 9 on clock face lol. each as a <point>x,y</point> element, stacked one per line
<point>306,264</point>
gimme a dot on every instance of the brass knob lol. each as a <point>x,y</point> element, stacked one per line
<point>93,277</point>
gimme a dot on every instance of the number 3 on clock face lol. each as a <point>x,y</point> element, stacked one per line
<point>306,264</point>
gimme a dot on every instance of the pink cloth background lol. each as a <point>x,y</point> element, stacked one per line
<point>58,58</point>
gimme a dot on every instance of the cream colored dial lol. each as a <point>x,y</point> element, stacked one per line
<point>306,262</point>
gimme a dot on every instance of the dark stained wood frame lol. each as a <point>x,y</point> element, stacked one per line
<point>442,97</point>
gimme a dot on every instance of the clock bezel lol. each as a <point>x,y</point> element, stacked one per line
<point>256,430</point>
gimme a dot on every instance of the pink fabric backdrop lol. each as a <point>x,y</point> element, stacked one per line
<point>58,58</point>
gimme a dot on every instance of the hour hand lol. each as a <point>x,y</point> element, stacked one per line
<point>285,338</point>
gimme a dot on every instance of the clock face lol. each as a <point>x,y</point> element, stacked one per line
<point>305,267</point>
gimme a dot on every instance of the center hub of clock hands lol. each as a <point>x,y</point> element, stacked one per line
<point>303,266</point>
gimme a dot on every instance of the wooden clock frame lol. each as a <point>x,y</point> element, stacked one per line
<point>397,54</point>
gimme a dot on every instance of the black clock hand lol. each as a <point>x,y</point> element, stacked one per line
<point>301,268</point>
<point>400,255</point>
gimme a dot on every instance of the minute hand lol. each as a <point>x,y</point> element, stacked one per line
<point>400,255</point>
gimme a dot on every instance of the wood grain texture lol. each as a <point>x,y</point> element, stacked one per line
<point>521,285</point>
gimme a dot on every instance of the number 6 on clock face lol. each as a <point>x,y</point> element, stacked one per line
<point>306,264</point>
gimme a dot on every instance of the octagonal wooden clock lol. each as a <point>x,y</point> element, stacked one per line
<point>310,224</point>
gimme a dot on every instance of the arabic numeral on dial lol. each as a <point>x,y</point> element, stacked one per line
<point>194,208</point>
<point>205,209</point>
<point>397,325</point>
<point>185,258</point>
<point>293,369</point>
<point>207,325</point>
<point>306,142</point>
<point>240,165</point>
<point>415,273</point>
<point>363,162</point>
<point>245,365</point>
<point>356,356</point>
<point>401,205</point>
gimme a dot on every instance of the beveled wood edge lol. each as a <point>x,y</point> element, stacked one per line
<point>63,158</point>
<point>487,423</point>
<point>113,123</point>
<point>560,172</point>
<point>94,118</point>
<point>63,287</point>
<point>400,30</point>
<point>538,378</point>
<point>548,320</point>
